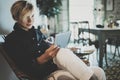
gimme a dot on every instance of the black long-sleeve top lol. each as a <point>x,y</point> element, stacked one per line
<point>24,47</point>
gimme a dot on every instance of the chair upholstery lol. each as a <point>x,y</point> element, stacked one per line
<point>18,73</point>
<point>61,75</point>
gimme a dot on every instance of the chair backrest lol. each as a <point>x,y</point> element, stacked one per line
<point>74,26</point>
<point>6,72</point>
<point>84,30</point>
<point>9,69</point>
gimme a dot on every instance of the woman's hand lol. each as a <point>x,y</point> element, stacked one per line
<point>52,51</point>
<point>49,54</point>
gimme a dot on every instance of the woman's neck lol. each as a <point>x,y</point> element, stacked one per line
<point>22,27</point>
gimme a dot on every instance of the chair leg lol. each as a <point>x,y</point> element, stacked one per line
<point>115,52</point>
<point>110,49</point>
<point>97,55</point>
<point>118,52</point>
<point>105,52</point>
<point>106,59</point>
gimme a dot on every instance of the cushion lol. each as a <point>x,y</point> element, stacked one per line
<point>61,75</point>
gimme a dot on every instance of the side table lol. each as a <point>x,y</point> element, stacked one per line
<point>82,54</point>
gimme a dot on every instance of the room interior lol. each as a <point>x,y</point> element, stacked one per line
<point>103,17</point>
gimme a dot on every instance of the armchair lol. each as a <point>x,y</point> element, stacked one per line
<point>11,71</point>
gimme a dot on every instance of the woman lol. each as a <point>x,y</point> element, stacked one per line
<point>37,58</point>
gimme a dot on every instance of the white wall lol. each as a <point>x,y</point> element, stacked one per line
<point>6,21</point>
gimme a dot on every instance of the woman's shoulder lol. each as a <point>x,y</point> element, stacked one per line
<point>13,36</point>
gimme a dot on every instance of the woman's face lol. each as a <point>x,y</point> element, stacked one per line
<point>27,20</point>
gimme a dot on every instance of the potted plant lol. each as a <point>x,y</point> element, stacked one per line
<point>49,7</point>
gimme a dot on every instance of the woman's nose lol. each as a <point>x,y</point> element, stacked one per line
<point>29,20</point>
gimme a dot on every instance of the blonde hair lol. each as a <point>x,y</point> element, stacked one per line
<point>20,8</point>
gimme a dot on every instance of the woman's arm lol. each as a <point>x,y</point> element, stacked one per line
<point>49,54</point>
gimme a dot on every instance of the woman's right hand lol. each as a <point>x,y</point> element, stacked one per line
<point>52,51</point>
<point>49,54</point>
